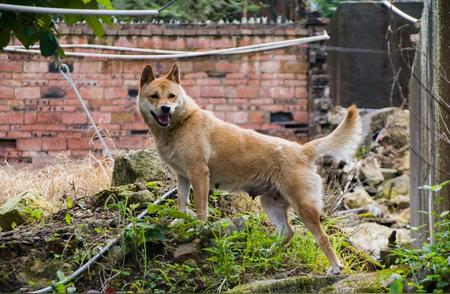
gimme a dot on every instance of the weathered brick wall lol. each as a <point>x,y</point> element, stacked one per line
<point>40,115</point>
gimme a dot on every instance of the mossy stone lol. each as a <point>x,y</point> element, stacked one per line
<point>26,207</point>
<point>139,166</point>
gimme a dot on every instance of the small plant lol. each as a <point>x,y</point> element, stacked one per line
<point>427,269</point>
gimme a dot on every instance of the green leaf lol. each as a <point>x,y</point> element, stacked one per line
<point>105,3</point>
<point>4,37</point>
<point>69,202</point>
<point>48,44</point>
<point>95,25</point>
<point>152,208</point>
<point>68,218</point>
<point>86,1</point>
<point>444,213</point>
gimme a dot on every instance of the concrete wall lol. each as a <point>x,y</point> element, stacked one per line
<point>366,78</point>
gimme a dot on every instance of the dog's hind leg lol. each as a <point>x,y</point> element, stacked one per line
<point>304,194</point>
<point>183,187</point>
<point>276,208</point>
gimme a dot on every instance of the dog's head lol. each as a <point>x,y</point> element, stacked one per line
<point>160,99</point>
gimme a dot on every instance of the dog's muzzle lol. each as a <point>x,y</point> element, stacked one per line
<point>162,119</point>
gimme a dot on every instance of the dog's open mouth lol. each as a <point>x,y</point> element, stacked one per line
<point>162,119</point>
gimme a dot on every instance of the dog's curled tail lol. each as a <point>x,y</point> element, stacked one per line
<point>342,142</point>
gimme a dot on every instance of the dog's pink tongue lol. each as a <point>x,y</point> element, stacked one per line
<point>164,119</point>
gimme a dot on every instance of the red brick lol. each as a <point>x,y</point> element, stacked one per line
<point>282,92</point>
<point>49,117</point>
<point>270,66</point>
<point>35,66</point>
<point>301,92</point>
<point>301,116</point>
<point>10,118</point>
<point>101,117</point>
<point>6,92</point>
<point>54,144</point>
<point>91,67</point>
<point>30,117</point>
<point>237,117</point>
<point>78,143</point>
<point>10,66</point>
<point>226,66</point>
<point>34,144</point>
<point>256,117</point>
<point>91,92</point>
<point>116,92</point>
<point>122,117</point>
<point>27,92</point>
<point>71,118</point>
<point>247,91</point>
<point>222,43</point>
<point>211,91</point>
<point>192,91</point>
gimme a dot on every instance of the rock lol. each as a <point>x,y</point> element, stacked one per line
<point>371,171</point>
<point>391,188</point>
<point>399,202</point>
<point>133,193</point>
<point>389,173</point>
<point>404,162</point>
<point>299,284</point>
<point>358,198</point>
<point>24,208</point>
<point>396,128</point>
<point>139,166</point>
<point>359,283</point>
<point>371,237</point>
<point>187,249</point>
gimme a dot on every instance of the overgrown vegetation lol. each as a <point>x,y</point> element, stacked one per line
<point>30,28</point>
<point>166,251</point>
<point>195,10</point>
<point>426,269</point>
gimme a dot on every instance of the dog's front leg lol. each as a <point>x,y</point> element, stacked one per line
<point>183,186</point>
<point>199,177</point>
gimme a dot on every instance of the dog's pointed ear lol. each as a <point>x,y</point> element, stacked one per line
<point>147,75</point>
<point>174,74</point>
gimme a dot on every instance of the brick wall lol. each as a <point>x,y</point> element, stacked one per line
<point>40,115</point>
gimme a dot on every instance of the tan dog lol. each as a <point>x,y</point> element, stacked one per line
<point>206,152</point>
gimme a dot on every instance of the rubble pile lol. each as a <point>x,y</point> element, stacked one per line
<point>375,199</point>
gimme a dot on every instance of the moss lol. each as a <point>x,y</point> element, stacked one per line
<point>301,284</point>
<point>139,166</point>
<point>360,283</point>
<point>133,193</point>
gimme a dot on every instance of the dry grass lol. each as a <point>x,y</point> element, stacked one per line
<point>64,177</point>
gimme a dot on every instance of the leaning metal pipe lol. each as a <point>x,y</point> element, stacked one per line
<point>104,250</point>
<point>70,11</point>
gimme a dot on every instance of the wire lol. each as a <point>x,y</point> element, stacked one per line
<point>399,12</point>
<point>227,51</point>
<point>65,72</point>
<point>104,250</point>
<point>70,11</point>
<point>167,5</point>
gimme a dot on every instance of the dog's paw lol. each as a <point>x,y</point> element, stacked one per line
<point>334,271</point>
<point>190,212</point>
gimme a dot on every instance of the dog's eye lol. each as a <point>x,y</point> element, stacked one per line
<point>171,96</point>
<point>154,96</point>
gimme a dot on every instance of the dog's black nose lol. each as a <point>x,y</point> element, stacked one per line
<point>165,109</point>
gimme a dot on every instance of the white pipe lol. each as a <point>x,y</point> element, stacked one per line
<point>399,12</point>
<point>70,11</point>
<point>227,51</point>
<point>107,47</point>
